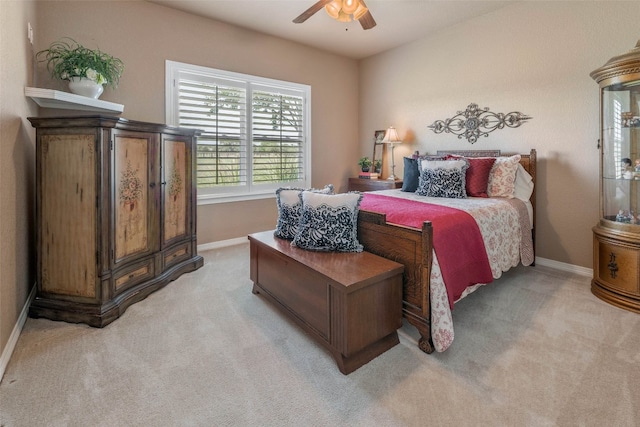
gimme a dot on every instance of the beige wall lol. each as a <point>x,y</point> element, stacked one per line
<point>144,35</point>
<point>16,166</point>
<point>532,57</point>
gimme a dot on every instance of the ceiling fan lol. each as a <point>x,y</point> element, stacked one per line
<point>341,10</point>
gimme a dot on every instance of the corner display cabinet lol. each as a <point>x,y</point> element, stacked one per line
<point>616,243</point>
<point>116,214</point>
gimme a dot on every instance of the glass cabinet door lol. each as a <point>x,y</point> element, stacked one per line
<point>621,152</point>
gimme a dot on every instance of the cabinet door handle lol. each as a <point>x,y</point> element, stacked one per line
<point>613,265</point>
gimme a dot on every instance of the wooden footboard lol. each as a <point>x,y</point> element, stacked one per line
<point>412,248</point>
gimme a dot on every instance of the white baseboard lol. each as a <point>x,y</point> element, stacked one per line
<point>15,334</point>
<point>583,271</point>
<point>222,244</point>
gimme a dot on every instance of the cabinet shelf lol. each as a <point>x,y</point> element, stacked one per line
<point>49,98</point>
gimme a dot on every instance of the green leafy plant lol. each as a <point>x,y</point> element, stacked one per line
<point>377,165</point>
<point>364,162</point>
<point>66,59</point>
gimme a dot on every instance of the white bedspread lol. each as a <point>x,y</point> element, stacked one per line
<point>505,225</point>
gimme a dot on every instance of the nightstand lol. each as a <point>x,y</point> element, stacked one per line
<point>360,184</point>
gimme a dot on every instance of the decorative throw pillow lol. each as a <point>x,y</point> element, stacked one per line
<point>477,176</point>
<point>411,175</point>
<point>412,171</point>
<point>503,176</point>
<point>290,209</point>
<point>440,182</point>
<point>329,222</point>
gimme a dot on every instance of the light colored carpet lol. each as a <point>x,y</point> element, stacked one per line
<point>535,348</point>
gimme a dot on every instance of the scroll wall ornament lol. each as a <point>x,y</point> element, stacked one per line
<point>474,122</point>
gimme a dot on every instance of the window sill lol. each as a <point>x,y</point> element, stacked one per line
<point>211,199</point>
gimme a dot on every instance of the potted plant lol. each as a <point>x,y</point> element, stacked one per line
<point>365,164</point>
<point>84,68</point>
<point>377,166</point>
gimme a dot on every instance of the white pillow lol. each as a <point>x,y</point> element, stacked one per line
<point>442,164</point>
<point>523,185</point>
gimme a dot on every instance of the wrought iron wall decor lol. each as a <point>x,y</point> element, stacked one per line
<point>474,122</point>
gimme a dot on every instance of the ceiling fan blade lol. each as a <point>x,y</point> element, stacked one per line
<point>309,12</point>
<point>367,20</point>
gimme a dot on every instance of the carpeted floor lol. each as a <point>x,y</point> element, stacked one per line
<point>535,348</point>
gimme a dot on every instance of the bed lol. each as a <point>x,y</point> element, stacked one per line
<point>424,304</point>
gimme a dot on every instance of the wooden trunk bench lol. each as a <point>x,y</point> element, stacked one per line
<point>350,302</point>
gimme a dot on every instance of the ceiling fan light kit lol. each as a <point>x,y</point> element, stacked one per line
<point>348,6</point>
<point>333,9</point>
<point>342,11</point>
<point>360,11</point>
<point>343,17</point>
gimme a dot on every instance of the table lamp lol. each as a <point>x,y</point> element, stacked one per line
<point>391,137</point>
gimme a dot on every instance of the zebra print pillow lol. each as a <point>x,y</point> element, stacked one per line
<point>449,183</point>
<point>290,209</point>
<point>329,222</point>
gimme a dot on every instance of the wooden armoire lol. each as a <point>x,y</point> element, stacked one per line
<point>116,214</point>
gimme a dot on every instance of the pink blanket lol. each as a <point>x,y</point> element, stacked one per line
<point>456,239</point>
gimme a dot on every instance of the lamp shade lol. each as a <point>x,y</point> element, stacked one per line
<point>333,8</point>
<point>350,6</point>
<point>343,17</point>
<point>345,10</point>
<point>391,136</point>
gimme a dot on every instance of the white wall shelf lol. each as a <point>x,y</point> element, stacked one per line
<point>49,98</point>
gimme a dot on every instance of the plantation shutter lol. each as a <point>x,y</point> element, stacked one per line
<point>255,132</point>
<point>278,137</point>
<point>219,110</point>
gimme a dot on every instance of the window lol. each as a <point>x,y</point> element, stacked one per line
<point>255,131</point>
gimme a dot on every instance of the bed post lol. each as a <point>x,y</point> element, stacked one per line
<point>420,317</point>
<point>425,343</point>
<point>532,171</point>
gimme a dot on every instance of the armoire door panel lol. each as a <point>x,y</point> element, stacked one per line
<point>133,201</point>
<point>68,265</point>
<point>176,191</point>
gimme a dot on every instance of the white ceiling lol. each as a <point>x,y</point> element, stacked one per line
<point>398,21</point>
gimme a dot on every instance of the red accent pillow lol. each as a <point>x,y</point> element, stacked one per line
<point>477,178</point>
